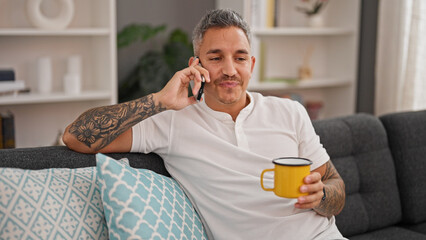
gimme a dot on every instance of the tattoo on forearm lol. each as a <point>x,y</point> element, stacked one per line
<point>98,127</point>
<point>335,190</point>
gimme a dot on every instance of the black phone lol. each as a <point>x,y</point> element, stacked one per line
<point>203,82</point>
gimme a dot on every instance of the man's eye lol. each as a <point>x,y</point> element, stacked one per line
<point>215,59</point>
<point>241,59</point>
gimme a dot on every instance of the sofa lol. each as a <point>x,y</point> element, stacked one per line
<point>382,161</point>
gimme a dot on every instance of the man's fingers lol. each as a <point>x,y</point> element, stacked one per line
<point>312,188</point>
<point>195,62</point>
<point>197,73</point>
<point>309,201</point>
<point>312,178</point>
<point>313,185</point>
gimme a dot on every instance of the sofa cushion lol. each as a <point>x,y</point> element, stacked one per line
<point>407,140</point>
<point>53,203</point>
<point>140,204</point>
<point>390,233</point>
<point>359,150</point>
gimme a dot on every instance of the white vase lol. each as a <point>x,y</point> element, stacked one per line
<point>72,79</point>
<point>316,21</point>
<point>72,84</point>
<point>60,21</point>
<point>44,75</point>
<point>74,65</point>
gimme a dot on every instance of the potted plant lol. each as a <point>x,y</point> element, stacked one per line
<point>313,9</point>
<point>155,67</point>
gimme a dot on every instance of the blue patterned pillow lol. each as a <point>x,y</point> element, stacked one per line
<point>56,203</point>
<point>140,204</point>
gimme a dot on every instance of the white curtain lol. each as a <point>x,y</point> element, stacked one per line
<point>401,56</point>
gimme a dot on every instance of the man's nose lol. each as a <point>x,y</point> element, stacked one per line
<point>228,68</point>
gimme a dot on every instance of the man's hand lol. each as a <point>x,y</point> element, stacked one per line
<point>174,95</point>
<point>313,185</point>
<point>325,177</point>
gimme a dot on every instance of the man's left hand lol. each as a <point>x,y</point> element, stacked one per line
<point>314,187</point>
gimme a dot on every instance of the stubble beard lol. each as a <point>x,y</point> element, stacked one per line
<point>229,95</point>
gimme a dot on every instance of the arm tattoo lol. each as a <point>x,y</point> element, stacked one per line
<point>335,191</point>
<point>98,127</point>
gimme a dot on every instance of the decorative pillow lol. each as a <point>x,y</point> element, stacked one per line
<point>56,203</point>
<point>140,204</point>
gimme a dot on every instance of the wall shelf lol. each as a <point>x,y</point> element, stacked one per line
<point>56,97</point>
<point>301,84</point>
<point>301,31</point>
<point>66,32</point>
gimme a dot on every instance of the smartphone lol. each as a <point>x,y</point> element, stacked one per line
<point>203,82</point>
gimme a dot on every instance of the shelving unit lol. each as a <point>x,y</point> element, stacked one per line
<point>300,85</point>
<point>280,51</point>
<point>301,31</point>
<point>91,35</point>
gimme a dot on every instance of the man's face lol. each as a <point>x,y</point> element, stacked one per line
<point>225,53</point>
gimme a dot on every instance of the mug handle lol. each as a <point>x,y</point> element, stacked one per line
<point>261,179</point>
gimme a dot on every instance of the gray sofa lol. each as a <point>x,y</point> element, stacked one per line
<point>382,161</point>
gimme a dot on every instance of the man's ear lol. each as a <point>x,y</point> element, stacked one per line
<point>253,61</point>
<point>191,59</point>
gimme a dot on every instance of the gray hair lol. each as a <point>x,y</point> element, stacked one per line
<point>221,18</point>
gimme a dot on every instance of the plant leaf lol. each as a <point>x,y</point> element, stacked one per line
<point>154,73</point>
<point>178,35</point>
<point>177,55</point>
<point>137,32</point>
<point>155,68</point>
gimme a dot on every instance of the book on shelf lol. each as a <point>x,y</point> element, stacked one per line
<point>256,13</point>
<point>8,83</point>
<point>11,86</point>
<point>314,108</point>
<point>7,129</point>
<point>271,13</point>
<point>293,96</point>
<point>7,75</point>
<point>262,13</point>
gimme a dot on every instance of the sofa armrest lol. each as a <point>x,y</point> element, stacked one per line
<point>406,132</point>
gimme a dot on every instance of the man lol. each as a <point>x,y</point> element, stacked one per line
<point>216,149</point>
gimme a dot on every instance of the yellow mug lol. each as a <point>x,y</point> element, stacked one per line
<point>289,173</point>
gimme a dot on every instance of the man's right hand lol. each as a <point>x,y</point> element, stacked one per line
<point>174,95</point>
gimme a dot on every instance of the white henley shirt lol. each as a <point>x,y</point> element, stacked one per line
<point>218,162</point>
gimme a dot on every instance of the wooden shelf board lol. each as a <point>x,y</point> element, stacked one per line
<point>301,84</point>
<point>298,31</point>
<point>55,97</point>
<point>65,32</point>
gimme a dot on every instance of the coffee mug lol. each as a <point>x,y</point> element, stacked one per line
<point>289,173</point>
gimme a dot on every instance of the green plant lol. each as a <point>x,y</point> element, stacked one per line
<point>155,68</point>
<point>312,7</point>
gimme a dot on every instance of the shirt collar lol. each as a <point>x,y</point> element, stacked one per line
<point>225,117</point>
